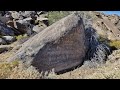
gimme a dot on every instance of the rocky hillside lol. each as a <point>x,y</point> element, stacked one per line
<point>59,44</point>
<point>13,24</point>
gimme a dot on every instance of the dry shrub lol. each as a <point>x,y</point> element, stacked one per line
<point>5,55</point>
<point>18,70</point>
<point>109,70</point>
<point>6,68</point>
<point>115,44</point>
<point>24,73</point>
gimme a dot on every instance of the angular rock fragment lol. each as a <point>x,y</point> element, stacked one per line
<point>9,39</point>
<point>2,41</point>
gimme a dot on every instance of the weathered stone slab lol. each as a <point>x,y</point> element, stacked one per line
<point>60,46</point>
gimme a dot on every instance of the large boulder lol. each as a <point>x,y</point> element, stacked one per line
<point>60,46</point>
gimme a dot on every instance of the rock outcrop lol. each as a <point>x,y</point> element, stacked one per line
<point>60,46</point>
<point>107,25</point>
<point>14,23</point>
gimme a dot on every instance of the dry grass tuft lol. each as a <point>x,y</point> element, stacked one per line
<point>17,70</point>
<point>21,72</point>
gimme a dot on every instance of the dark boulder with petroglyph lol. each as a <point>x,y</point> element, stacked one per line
<point>60,46</point>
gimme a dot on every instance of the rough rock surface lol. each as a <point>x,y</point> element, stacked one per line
<point>107,25</point>
<point>4,48</point>
<point>37,28</point>
<point>2,41</point>
<point>4,30</point>
<point>60,46</point>
<point>22,22</point>
<point>9,39</point>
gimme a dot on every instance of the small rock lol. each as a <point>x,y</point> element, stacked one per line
<point>11,25</point>
<point>27,13</point>
<point>15,14</point>
<point>4,30</point>
<point>4,19</point>
<point>41,12</point>
<point>17,47</point>
<point>41,18</point>
<point>2,13</point>
<point>4,48</point>
<point>2,41</point>
<point>37,29</point>
<point>26,20</point>
<point>9,39</point>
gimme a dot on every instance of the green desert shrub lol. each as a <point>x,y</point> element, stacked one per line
<point>19,37</point>
<point>115,44</point>
<point>54,16</point>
